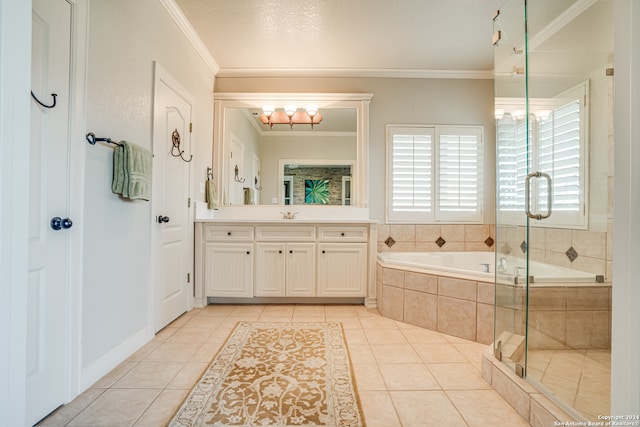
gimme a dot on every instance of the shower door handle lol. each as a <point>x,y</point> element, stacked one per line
<point>527,195</point>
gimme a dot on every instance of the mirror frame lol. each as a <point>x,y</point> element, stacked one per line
<point>359,101</point>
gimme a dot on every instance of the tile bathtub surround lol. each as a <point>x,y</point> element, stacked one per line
<point>594,249</point>
<point>430,237</point>
<point>406,376</point>
<point>462,308</point>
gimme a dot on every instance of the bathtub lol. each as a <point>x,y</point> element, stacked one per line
<point>481,266</point>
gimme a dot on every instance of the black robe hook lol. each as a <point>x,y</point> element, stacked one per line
<point>40,102</point>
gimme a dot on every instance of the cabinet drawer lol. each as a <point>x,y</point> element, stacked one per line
<point>343,234</point>
<point>286,233</point>
<point>228,233</point>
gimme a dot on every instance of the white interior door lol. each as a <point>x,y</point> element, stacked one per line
<point>237,180</point>
<point>49,222</point>
<point>170,198</point>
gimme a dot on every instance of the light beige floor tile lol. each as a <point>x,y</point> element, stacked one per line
<point>188,376</point>
<point>67,412</point>
<point>408,377</point>
<point>385,336</point>
<point>377,322</point>
<point>425,408</point>
<point>162,409</point>
<point>471,351</point>
<point>368,377</point>
<point>378,409</point>
<point>275,319</point>
<point>180,321</point>
<point>149,375</point>
<point>348,323</point>
<point>190,335</point>
<point>221,334</point>
<point>165,333</point>
<point>143,352</point>
<point>481,408</point>
<point>115,374</point>
<point>307,319</point>
<point>439,353</point>
<point>206,352</point>
<point>458,376</point>
<point>361,354</point>
<point>394,353</point>
<point>216,310</point>
<point>417,335</point>
<point>355,336</point>
<point>116,408</point>
<point>204,322</point>
<point>173,352</point>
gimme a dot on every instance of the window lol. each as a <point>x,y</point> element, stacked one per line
<point>434,174</point>
<point>557,147</point>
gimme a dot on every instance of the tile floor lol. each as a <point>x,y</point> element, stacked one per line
<point>406,376</point>
<point>579,378</point>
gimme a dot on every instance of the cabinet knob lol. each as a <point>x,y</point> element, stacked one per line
<point>324,251</point>
<point>279,252</point>
<point>228,233</point>
<point>290,252</point>
<point>342,234</point>
<point>248,252</point>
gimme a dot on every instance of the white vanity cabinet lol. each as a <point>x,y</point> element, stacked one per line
<point>285,260</point>
<point>285,269</point>
<point>342,261</point>
<point>228,261</point>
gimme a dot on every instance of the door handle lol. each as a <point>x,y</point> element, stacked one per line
<point>58,223</point>
<point>162,219</point>
<point>527,195</point>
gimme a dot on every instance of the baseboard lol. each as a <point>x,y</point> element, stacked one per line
<point>113,358</point>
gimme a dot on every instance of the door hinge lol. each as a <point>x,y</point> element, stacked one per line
<point>190,127</point>
<point>188,277</point>
<point>189,202</point>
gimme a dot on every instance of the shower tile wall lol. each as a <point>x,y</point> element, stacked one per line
<point>551,245</point>
<point>424,238</point>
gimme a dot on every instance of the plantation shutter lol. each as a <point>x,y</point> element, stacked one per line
<point>512,164</point>
<point>559,156</point>
<point>411,153</point>
<point>459,175</point>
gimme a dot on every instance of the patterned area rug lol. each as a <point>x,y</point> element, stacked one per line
<point>276,374</point>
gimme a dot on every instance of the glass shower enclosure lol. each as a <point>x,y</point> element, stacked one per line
<point>554,172</point>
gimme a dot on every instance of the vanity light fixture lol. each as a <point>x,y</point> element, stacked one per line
<point>290,115</point>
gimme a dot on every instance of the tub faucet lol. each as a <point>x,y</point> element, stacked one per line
<point>516,270</point>
<point>485,267</point>
<point>288,215</point>
<point>502,265</point>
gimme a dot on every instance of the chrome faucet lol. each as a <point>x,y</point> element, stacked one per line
<point>485,267</point>
<point>502,265</point>
<point>288,215</point>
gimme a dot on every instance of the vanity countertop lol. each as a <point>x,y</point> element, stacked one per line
<point>287,221</point>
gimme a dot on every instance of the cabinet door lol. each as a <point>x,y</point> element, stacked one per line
<point>301,269</point>
<point>270,269</point>
<point>342,269</point>
<point>229,270</point>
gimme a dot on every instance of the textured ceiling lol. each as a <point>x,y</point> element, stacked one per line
<point>349,37</point>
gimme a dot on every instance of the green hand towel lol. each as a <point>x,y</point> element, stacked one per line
<point>132,166</point>
<point>211,194</point>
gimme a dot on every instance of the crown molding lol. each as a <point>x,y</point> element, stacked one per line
<point>183,24</point>
<point>356,72</point>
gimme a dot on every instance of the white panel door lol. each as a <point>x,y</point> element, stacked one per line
<point>49,222</point>
<point>270,270</point>
<point>301,269</point>
<point>237,180</point>
<point>342,269</point>
<point>170,198</point>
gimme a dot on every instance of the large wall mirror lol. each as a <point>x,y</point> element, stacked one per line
<point>291,149</point>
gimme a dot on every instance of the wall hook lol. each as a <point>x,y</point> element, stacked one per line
<point>236,177</point>
<point>175,139</point>
<point>40,102</point>
<point>255,183</point>
<point>209,173</point>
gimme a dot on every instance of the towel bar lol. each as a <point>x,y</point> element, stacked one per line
<point>91,139</point>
